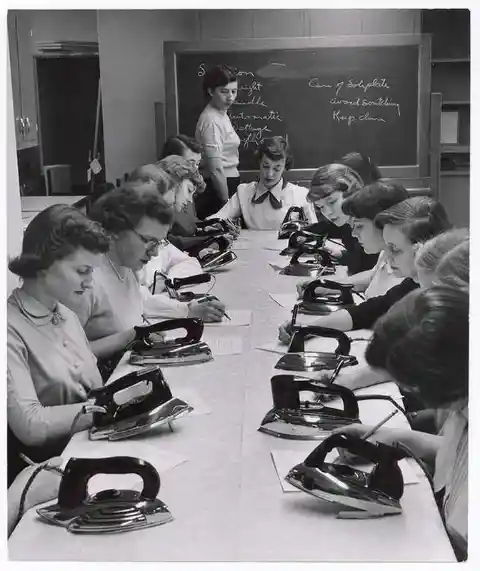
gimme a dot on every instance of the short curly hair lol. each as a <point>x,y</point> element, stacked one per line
<point>54,234</point>
<point>332,178</point>
<point>218,76</point>
<point>275,148</point>
<point>419,218</point>
<point>179,169</point>
<point>374,198</point>
<point>363,165</point>
<point>123,208</point>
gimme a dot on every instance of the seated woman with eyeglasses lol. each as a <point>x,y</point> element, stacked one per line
<point>423,343</point>
<point>50,365</point>
<point>137,222</point>
<point>263,204</point>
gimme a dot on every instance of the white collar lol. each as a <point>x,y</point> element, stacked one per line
<point>276,190</point>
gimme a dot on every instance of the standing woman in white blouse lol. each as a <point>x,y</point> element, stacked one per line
<point>50,366</point>
<point>263,204</point>
<point>219,140</point>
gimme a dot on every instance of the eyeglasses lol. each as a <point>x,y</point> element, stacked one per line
<point>151,243</point>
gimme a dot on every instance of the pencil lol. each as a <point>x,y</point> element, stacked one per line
<point>377,426</point>
<point>371,432</point>
<point>209,298</point>
<point>48,467</point>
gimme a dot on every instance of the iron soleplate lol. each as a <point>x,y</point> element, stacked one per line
<point>162,414</point>
<point>356,496</point>
<point>302,425</point>
<point>110,511</point>
<point>312,361</point>
<point>173,356</point>
<point>319,308</point>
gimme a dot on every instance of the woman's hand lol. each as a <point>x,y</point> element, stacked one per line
<point>208,311</point>
<point>285,332</point>
<point>384,435</point>
<point>301,287</point>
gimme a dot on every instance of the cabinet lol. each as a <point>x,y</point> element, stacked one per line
<point>23,77</point>
<point>450,31</point>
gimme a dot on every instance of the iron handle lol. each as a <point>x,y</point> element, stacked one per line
<point>27,122</point>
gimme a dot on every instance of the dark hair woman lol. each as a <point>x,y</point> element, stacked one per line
<point>50,366</point>
<point>423,343</point>
<point>219,141</point>
<point>264,204</point>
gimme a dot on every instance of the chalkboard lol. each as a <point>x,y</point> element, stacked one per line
<point>329,100</point>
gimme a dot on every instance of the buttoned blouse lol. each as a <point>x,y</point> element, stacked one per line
<point>50,369</point>
<point>263,216</point>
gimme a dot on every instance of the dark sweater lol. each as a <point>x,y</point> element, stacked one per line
<point>354,257</point>
<point>365,314</point>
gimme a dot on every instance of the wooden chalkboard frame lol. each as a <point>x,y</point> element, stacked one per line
<point>414,176</point>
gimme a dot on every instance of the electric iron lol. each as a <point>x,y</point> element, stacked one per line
<point>317,263</point>
<point>108,511</point>
<point>327,302</point>
<point>297,359</point>
<point>373,494</point>
<point>211,261</point>
<point>152,405</point>
<point>291,224</point>
<point>297,419</point>
<point>172,285</point>
<point>302,237</point>
<point>186,350</point>
<point>215,227</point>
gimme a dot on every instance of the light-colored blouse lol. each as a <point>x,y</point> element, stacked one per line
<point>383,277</point>
<point>451,474</point>
<point>50,370</point>
<point>262,215</point>
<point>219,140</point>
<point>118,302</point>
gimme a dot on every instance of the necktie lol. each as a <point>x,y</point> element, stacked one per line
<point>277,204</point>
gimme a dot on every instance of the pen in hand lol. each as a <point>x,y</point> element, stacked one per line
<point>372,431</point>
<point>380,424</point>
<point>208,298</point>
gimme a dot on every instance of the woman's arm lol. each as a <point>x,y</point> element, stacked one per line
<point>217,176</point>
<point>44,488</point>
<point>422,444</point>
<point>108,346</point>
<point>31,422</point>
<point>229,210</point>
<point>362,376</point>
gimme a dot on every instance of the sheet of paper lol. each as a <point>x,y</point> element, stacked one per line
<point>275,267</point>
<point>193,399</point>
<point>285,460</point>
<point>287,300</point>
<point>238,317</point>
<point>224,344</point>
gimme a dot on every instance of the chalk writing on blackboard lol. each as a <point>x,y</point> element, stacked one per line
<point>252,116</point>
<point>357,102</point>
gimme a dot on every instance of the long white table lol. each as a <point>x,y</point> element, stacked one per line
<point>226,499</point>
